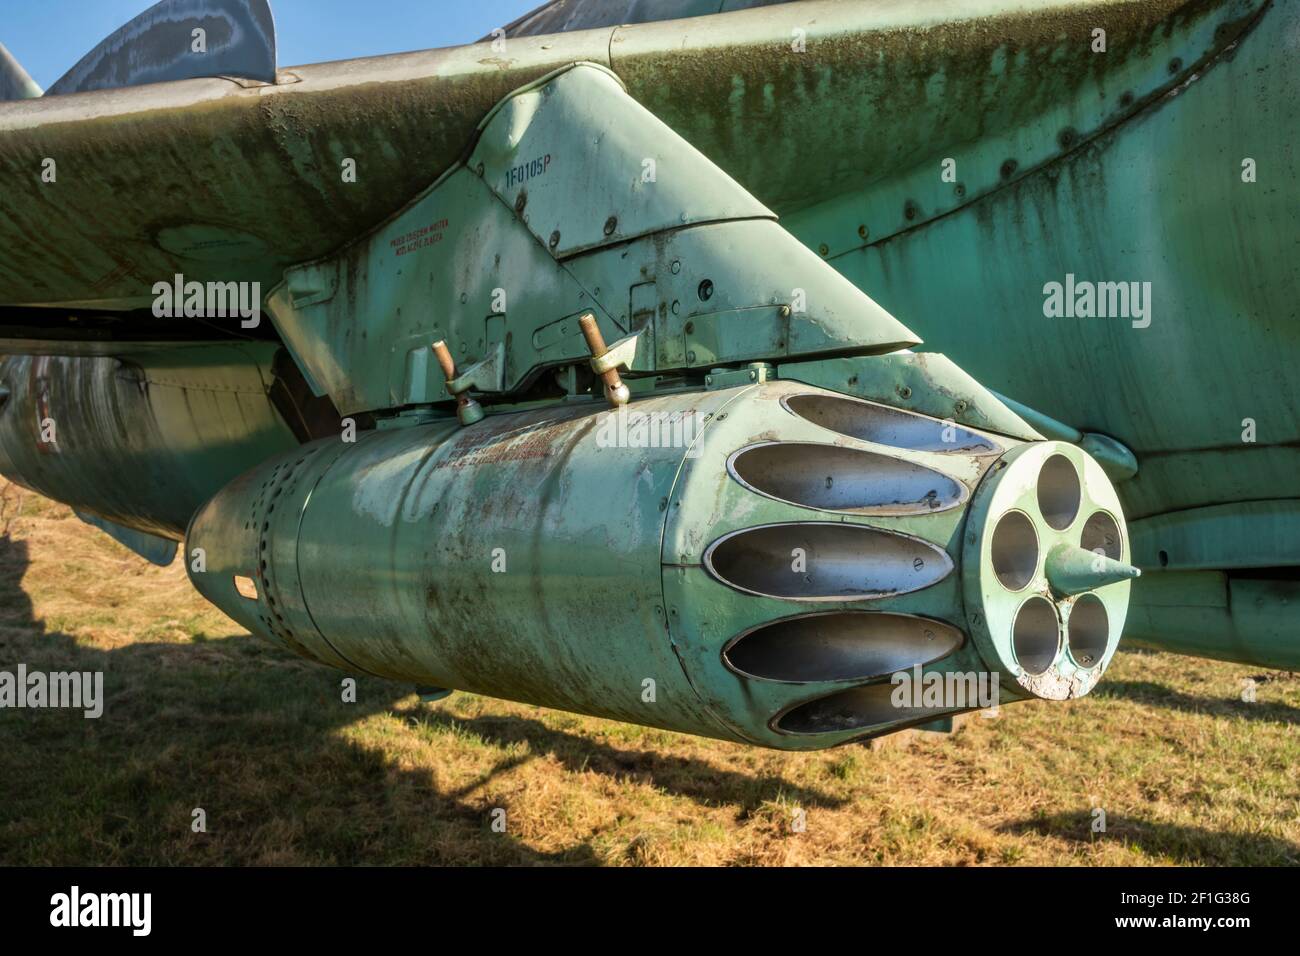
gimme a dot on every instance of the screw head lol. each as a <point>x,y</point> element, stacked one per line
<point>610,225</point>
<point>706,290</point>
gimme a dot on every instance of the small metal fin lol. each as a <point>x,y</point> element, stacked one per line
<point>155,550</point>
<point>15,84</point>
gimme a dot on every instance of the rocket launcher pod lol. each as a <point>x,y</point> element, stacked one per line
<point>770,563</point>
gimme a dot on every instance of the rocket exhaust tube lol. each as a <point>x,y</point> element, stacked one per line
<point>758,564</point>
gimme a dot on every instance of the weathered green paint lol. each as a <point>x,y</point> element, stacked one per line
<point>1241,535</point>
<point>155,550</point>
<point>1159,198</point>
<point>1120,463</point>
<point>136,202</point>
<point>1073,570</point>
<point>268,192</point>
<point>535,229</point>
<point>1067,161</point>
<point>923,382</point>
<point>1017,488</point>
<point>551,556</point>
<point>143,440</point>
<point>851,133</point>
<point>1217,614</point>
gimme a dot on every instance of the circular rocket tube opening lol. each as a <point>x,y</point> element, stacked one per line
<point>1088,631</point>
<point>1101,533</point>
<point>1059,492</point>
<point>1014,550</point>
<point>1036,635</point>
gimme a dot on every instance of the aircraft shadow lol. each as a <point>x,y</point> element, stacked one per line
<point>1185,844</point>
<point>261,741</point>
<point>681,776</point>
<point>1159,695</point>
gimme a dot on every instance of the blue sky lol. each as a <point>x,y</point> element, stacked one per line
<point>49,36</point>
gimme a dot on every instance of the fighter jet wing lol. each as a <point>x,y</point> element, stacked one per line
<point>233,178</point>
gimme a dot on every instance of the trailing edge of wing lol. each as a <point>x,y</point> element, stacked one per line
<point>180,40</point>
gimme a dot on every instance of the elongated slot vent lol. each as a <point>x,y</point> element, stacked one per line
<point>835,478</point>
<point>840,645</point>
<point>868,421</point>
<point>856,709</point>
<point>824,561</point>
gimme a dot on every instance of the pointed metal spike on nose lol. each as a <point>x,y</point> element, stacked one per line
<point>1073,570</point>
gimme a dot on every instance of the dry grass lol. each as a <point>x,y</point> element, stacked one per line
<point>199,714</point>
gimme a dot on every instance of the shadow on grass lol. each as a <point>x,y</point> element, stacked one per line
<point>262,742</point>
<point>1158,695</point>
<point>1183,844</point>
<point>682,776</point>
<point>253,736</point>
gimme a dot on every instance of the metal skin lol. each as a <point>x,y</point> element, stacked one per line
<point>795,130</point>
<point>754,205</point>
<point>160,45</point>
<point>691,264</point>
<point>15,84</point>
<point>631,563</point>
<point>142,440</point>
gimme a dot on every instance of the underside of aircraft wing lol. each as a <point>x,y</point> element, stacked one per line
<point>237,178</point>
